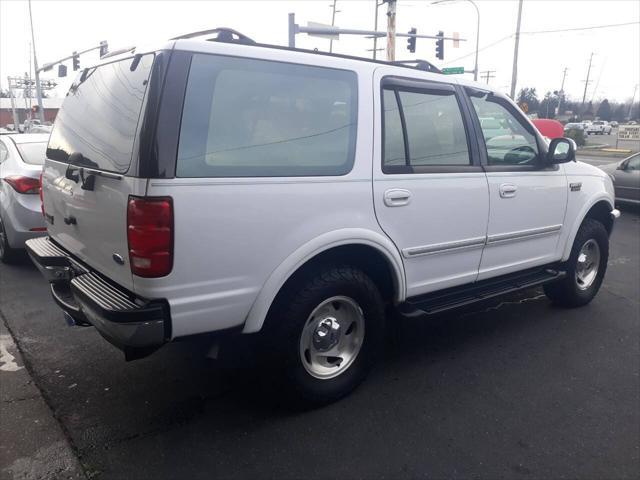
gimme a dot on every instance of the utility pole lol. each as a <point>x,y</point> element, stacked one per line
<point>391,30</point>
<point>333,22</point>
<point>586,84</point>
<point>16,120</point>
<point>35,67</point>
<point>561,92</point>
<point>514,71</point>
<point>488,75</point>
<point>632,99</point>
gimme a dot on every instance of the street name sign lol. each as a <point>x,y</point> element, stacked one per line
<point>453,70</point>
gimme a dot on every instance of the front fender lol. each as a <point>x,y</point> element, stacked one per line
<point>336,238</point>
<point>579,218</point>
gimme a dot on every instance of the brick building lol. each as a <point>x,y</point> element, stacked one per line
<point>51,106</point>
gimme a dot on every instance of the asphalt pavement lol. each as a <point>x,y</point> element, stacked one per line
<point>513,389</point>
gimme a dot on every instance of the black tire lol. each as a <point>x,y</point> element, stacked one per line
<point>568,292</point>
<point>286,322</point>
<point>7,254</point>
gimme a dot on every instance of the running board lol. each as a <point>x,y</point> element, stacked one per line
<point>455,297</point>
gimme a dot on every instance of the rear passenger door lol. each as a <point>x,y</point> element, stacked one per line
<point>430,192</point>
<point>528,197</point>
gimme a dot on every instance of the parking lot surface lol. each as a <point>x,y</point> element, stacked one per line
<point>513,389</point>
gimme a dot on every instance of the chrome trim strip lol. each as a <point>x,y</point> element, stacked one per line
<point>523,234</point>
<point>444,247</point>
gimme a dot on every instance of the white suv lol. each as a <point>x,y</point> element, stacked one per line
<point>209,186</point>
<point>599,128</point>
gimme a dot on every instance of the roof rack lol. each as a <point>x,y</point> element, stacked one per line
<point>419,64</point>
<point>227,35</point>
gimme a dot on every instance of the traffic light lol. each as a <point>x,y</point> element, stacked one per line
<point>76,61</point>
<point>62,70</point>
<point>440,46</point>
<point>104,48</point>
<point>411,41</point>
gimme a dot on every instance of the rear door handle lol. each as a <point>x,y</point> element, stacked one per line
<point>397,197</point>
<point>508,190</point>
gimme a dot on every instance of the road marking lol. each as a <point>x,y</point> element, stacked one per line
<point>7,361</point>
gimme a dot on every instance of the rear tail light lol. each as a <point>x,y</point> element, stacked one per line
<point>41,196</point>
<point>150,235</point>
<point>25,185</point>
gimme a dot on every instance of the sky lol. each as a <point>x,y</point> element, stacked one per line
<point>64,26</point>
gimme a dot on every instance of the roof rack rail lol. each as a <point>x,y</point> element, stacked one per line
<point>419,64</point>
<point>226,35</point>
<point>229,35</point>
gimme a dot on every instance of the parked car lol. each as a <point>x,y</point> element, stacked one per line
<point>575,126</point>
<point>241,188</point>
<point>599,128</point>
<point>626,178</point>
<point>21,160</point>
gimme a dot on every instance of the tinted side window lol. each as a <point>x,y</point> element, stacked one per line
<point>634,163</point>
<point>255,118</point>
<point>434,129</point>
<point>393,134</point>
<point>99,116</point>
<point>507,140</point>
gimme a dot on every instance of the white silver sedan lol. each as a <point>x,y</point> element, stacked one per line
<point>21,160</point>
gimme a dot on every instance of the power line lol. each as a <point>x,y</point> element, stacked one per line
<point>593,27</point>
<point>481,49</point>
<point>542,31</point>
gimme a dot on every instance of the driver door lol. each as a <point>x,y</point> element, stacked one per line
<point>527,199</point>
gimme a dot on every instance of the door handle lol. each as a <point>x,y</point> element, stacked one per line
<point>397,197</point>
<point>508,190</point>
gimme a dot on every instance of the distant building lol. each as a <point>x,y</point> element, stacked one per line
<point>51,107</point>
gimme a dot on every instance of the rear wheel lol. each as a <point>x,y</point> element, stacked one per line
<point>7,254</point>
<point>325,333</point>
<point>585,268</point>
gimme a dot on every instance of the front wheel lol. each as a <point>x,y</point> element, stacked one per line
<point>7,254</point>
<point>585,268</point>
<point>324,334</point>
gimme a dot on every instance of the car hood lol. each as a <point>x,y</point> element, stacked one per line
<point>609,167</point>
<point>582,168</point>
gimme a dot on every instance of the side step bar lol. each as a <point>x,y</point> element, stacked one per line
<point>455,297</point>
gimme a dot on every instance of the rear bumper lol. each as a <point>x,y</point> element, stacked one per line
<point>136,325</point>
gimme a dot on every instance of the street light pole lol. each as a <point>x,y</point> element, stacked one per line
<point>475,68</point>
<point>35,66</point>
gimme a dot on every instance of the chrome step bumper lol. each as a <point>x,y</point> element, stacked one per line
<point>135,325</point>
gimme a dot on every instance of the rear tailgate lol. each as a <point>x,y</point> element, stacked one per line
<point>86,180</point>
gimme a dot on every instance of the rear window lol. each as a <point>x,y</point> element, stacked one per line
<point>256,118</point>
<point>99,116</point>
<point>33,153</point>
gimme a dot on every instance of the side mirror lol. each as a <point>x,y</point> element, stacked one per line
<point>622,165</point>
<point>561,150</point>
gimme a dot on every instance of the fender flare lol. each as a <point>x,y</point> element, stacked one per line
<point>579,219</point>
<point>347,236</point>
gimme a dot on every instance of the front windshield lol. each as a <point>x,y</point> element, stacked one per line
<point>33,153</point>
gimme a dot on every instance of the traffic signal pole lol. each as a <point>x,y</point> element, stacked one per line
<point>35,66</point>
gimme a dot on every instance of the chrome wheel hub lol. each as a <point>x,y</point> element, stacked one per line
<point>332,337</point>
<point>588,264</point>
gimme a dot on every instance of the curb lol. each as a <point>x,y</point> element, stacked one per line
<point>32,442</point>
